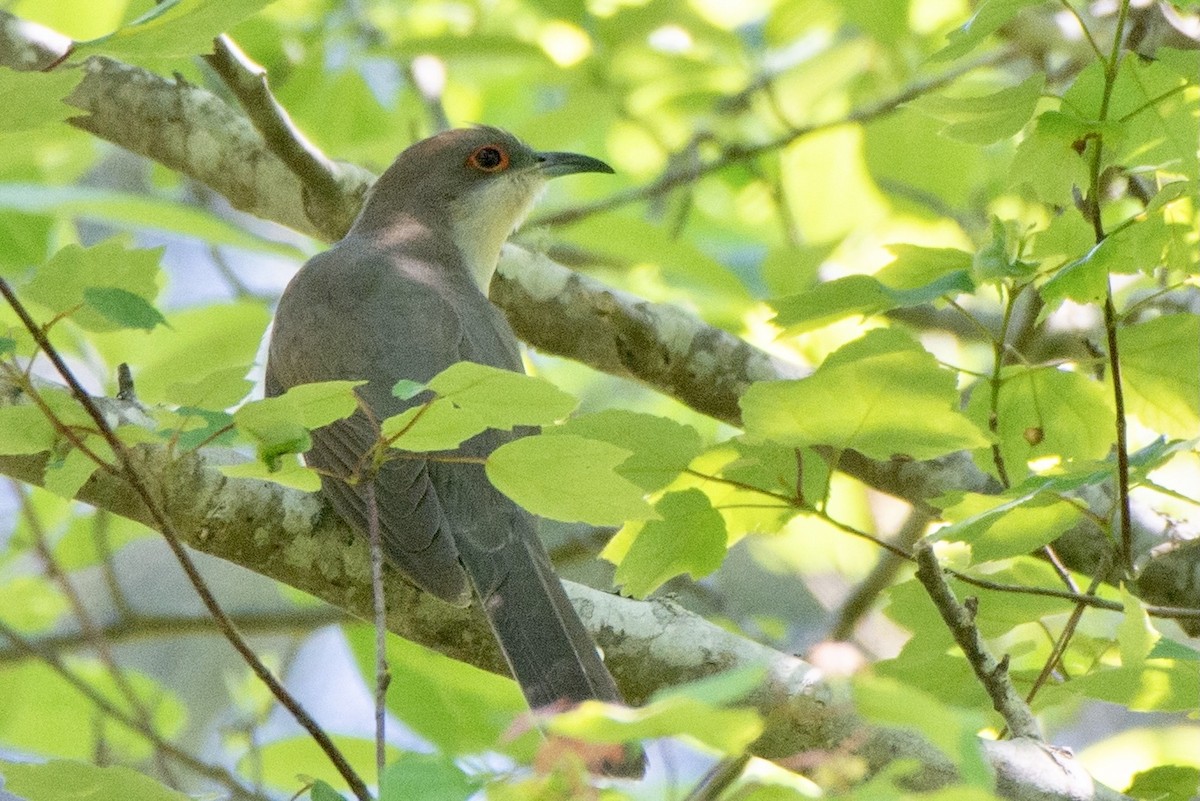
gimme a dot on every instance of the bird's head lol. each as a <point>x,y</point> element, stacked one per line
<point>475,185</point>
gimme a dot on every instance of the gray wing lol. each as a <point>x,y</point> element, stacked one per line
<point>321,333</point>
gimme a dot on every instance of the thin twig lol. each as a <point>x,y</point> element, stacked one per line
<point>686,171</point>
<point>214,772</point>
<point>1064,639</point>
<point>1112,66</point>
<point>383,676</point>
<point>862,596</point>
<point>1174,612</point>
<point>144,627</point>
<point>719,778</point>
<point>91,632</point>
<point>167,528</point>
<point>960,620</point>
<point>248,82</point>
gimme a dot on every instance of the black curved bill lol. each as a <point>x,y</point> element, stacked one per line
<point>555,164</point>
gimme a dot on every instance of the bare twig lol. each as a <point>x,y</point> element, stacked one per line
<point>383,676</point>
<point>135,628</point>
<point>1064,638</point>
<point>719,778</point>
<point>167,528</point>
<point>863,596</point>
<point>992,675</point>
<point>248,81</point>
<point>686,171</point>
<point>1091,210</point>
<point>214,772</point>
<point>87,625</point>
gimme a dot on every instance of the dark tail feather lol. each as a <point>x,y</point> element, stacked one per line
<point>550,653</point>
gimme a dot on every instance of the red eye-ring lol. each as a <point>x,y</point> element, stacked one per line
<point>489,158</point>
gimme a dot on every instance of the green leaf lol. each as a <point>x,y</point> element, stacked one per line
<point>829,302</point>
<point>659,448</point>
<point>1135,248</point>
<point>1136,635</point>
<point>918,276</point>
<point>459,708</point>
<point>1166,783</point>
<point>52,730</point>
<point>321,791</point>
<point>59,779</point>
<point>952,730</point>
<point>426,776</point>
<point>689,537</point>
<point>502,397</point>
<point>726,687</point>
<point>985,119</point>
<point>79,547</point>
<point>405,389</point>
<point>994,261</point>
<point>1166,648</point>
<point>439,425</point>
<point>217,390</point>
<point>567,478</point>
<point>67,475</point>
<point>124,308</point>
<point>271,467</point>
<point>199,342</point>
<point>33,99</point>
<point>998,527</point>
<point>31,605</point>
<point>1049,166</point>
<point>882,395</point>
<point>989,17</point>
<point>173,28</point>
<point>74,274</point>
<point>728,731</point>
<point>1045,414</point>
<point>1154,685</point>
<point>1160,373</point>
<point>24,430</point>
<point>282,762</point>
<point>472,398</point>
<point>310,405</point>
<point>916,267</point>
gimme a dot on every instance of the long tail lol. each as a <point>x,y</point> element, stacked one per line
<point>551,655</point>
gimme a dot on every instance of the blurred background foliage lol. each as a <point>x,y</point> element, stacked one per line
<point>903,185</point>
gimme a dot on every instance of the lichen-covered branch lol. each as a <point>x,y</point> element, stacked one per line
<point>551,308</point>
<point>293,537</point>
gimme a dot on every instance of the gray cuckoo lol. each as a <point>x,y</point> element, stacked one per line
<point>403,296</point>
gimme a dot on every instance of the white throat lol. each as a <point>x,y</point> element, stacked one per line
<point>482,220</point>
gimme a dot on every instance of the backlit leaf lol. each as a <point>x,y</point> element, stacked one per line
<point>688,537</point>
<point>882,395</point>
<point>568,478</point>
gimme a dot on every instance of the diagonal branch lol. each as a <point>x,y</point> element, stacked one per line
<point>128,474</point>
<point>552,308</point>
<point>325,183</point>
<point>960,619</point>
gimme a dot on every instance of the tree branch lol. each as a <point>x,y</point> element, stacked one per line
<point>960,619</point>
<point>293,537</point>
<point>551,308</point>
<point>325,183</point>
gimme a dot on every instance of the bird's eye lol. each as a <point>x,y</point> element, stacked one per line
<point>489,158</point>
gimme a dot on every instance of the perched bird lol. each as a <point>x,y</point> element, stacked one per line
<point>403,296</point>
